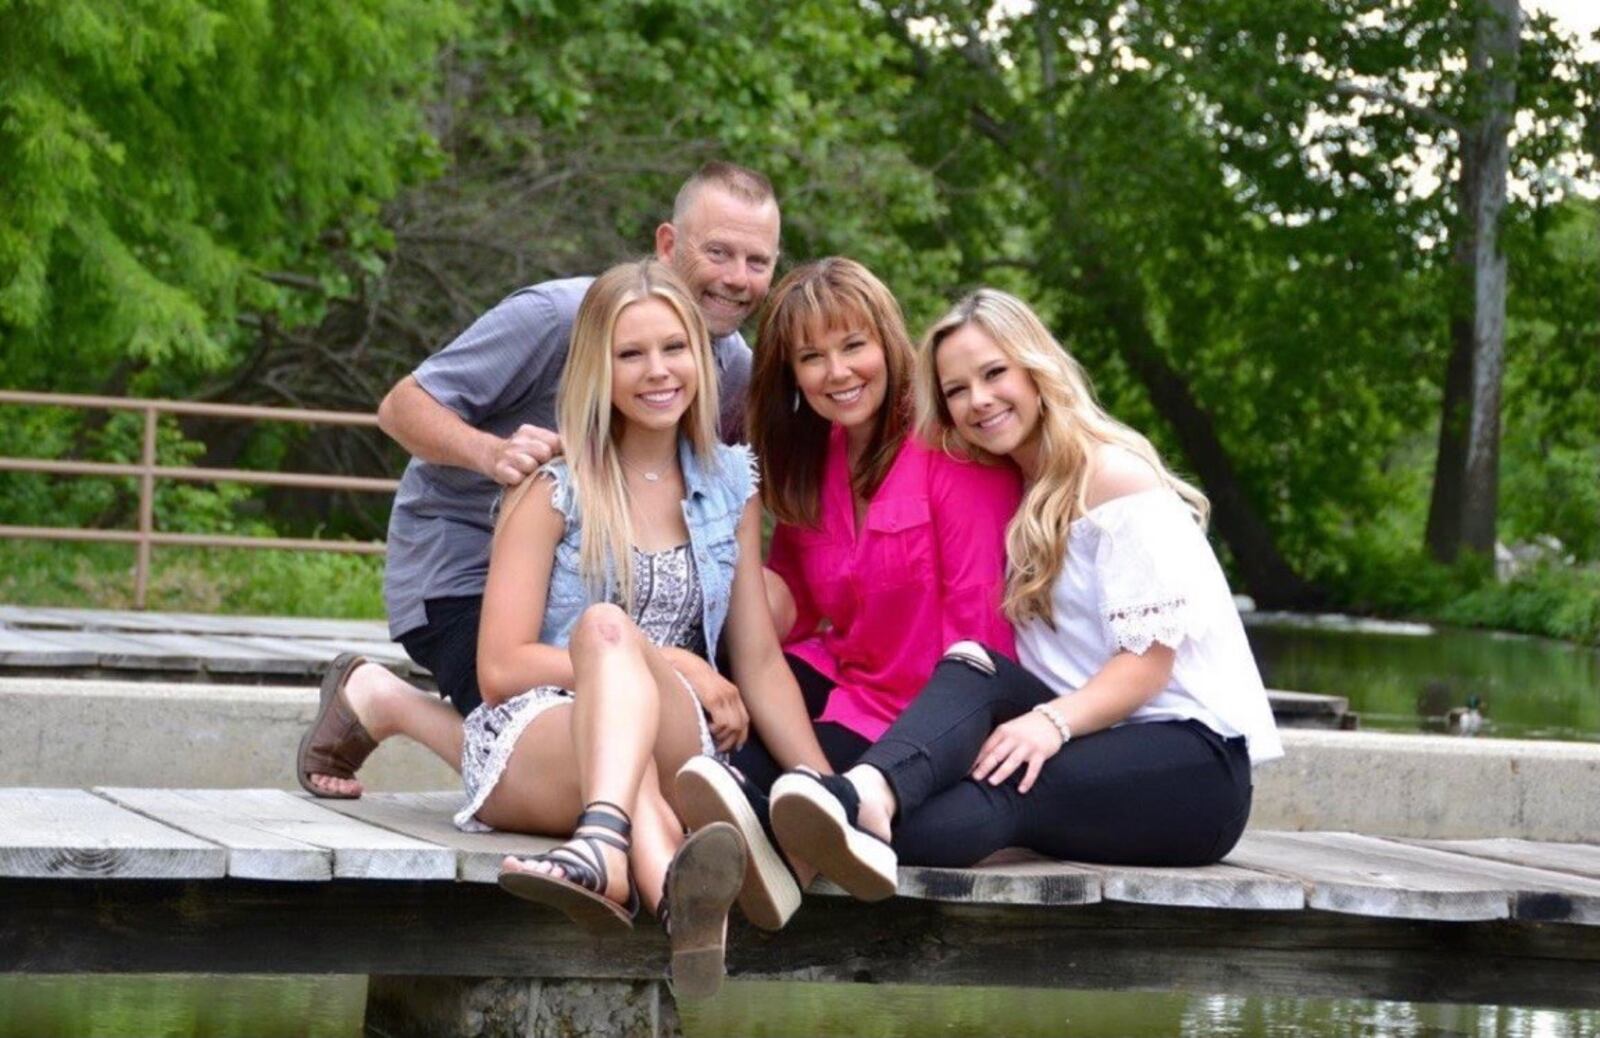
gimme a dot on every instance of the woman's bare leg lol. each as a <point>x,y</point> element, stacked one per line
<point>629,711</point>
<point>387,705</point>
<point>657,835</point>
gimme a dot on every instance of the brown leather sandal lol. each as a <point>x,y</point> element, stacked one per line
<point>336,743</point>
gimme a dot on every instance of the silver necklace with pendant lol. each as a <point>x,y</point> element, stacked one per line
<point>649,477</point>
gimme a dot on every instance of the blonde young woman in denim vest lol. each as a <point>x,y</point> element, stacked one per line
<point>643,543</point>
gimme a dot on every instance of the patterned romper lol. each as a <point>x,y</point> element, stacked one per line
<point>668,607</point>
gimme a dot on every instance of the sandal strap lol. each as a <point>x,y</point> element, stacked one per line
<point>582,861</point>
<point>614,819</point>
<point>842,790</point>
<point>575,868</point>
<point>610,841</point>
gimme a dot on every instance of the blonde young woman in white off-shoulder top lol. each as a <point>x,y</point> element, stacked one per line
<point>1128,731</point>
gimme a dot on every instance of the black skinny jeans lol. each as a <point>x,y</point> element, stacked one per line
<point>1152,793</point>
<point>839,744</point>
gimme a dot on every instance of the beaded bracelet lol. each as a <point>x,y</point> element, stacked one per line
<point>1053,715</point>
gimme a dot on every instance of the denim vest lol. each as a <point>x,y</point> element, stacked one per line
<point>715,491</point>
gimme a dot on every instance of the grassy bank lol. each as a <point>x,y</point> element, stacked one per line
<point>1551,600</point>
<point>194,580</point>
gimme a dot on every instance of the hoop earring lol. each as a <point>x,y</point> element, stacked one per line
<point>795,407</point>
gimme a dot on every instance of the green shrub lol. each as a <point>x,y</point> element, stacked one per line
<point>1553,600</point>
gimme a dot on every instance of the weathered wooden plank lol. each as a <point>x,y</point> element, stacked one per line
<point>263,830</point>
<point>333,632</point>
<point>312,649</point>
<point>359,851</point>
<point>139,622</point>
<point>1215,886</point>
<point>1580,859</point>
<point>184,642</point>
<point>387,653</point>
<point>1212,886</point>
<point>1011,883</point>
<point>312,656</point>
<point>362,851</point>
<point>310,628</point>
<point>427,816</point>
<point>192,623</point>
<point>119,650</point>
<point>1307,709</point>
<point>1537,894</point>
<point>1371,879</point>
<point>25,648</point>
<point>67,833</point>
<point>321,651</point>
<point>32,617</point>
<point>148,651</point>
<point>1365,875</point>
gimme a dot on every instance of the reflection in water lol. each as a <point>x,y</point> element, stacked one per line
<point>774,1010</point>
<point>331,1007</point>
<point>180,1006</point>
<point>1528,688</point>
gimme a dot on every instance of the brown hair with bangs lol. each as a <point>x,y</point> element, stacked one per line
<point>790,439</point>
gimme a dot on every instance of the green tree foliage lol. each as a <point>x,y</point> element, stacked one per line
<point>566,129</point>
<point>1225,207</point>
<point>1552,460</point>
<point>164,158</point>
<point>1241,214</point>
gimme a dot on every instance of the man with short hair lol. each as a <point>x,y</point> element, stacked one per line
<point>478,417</point>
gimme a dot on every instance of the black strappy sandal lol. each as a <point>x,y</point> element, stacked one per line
<point>577,889</point>
<point>701,884</point>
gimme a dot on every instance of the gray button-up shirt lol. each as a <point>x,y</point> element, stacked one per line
<point>502,372</point>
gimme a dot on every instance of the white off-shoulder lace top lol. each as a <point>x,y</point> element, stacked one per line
<point>1139,571</point>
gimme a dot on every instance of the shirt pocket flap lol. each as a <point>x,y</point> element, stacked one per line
<point>897,514</point>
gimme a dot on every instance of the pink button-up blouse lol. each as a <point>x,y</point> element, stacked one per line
<point>927,570</point>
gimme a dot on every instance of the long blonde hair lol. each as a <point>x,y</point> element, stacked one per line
<point>589,426</point>
<point>1071,424</point>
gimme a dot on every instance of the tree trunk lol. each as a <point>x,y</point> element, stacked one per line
<point>1462,512</point>
<point>1267,576</point>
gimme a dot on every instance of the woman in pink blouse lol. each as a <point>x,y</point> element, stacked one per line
<point>886,551</point>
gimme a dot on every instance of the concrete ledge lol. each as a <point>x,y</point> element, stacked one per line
<point>1439,786</point>
<point>65,732</point>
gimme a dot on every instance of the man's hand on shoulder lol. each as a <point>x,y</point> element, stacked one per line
<point>435,434</point>
<point>519,455</point>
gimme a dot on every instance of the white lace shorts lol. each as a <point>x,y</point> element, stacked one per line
<point>491,733</point>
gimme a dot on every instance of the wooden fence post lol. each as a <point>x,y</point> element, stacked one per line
<point>147,508</point>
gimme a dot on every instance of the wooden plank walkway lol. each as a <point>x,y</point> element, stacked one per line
<point>142,880</point>
<point>191,646</point>
<point>110,833</point>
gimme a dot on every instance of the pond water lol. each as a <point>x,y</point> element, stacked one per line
<point>1406,677</point>
<point>331,1007</point>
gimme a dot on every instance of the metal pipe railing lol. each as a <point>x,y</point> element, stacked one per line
<point>147,537</point>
